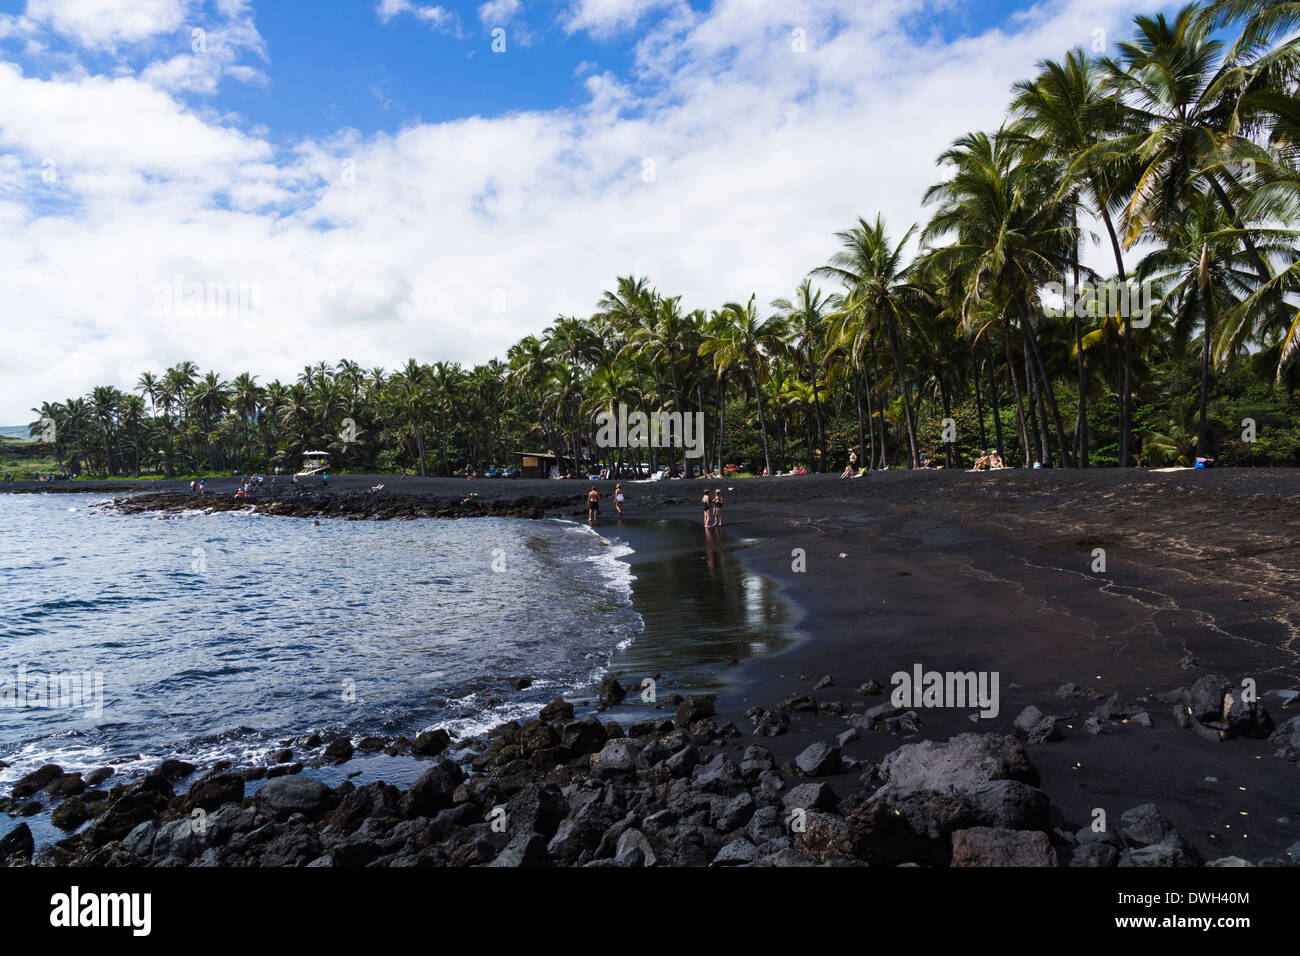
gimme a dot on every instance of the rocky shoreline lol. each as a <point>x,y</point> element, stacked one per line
<point>688,791</point>
<point>345,505</point>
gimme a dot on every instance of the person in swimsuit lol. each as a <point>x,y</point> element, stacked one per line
<point>593,505</point>
<point>852,469</point>
<point>717,507</point>
<point>618,500</point>
<point>708,510</point>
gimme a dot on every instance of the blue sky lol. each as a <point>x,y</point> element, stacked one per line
<point>376,182</point>
<point>337,64</point>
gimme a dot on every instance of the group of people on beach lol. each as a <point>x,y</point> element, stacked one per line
<point>712,505</point>
<point>251,484</point>
<point>593,503</point>
<point>712,508</point>
<point>989,461</point>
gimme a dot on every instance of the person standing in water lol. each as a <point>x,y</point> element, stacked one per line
<point>717,507</point>
<point>708,509</point>
<point>618,500</point>
<point>325,480</point>
<point>593,505</point>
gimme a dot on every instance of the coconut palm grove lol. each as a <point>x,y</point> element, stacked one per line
<point>1176,163</point>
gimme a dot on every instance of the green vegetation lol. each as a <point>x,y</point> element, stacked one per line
<point>1184,150</point>
<point>24,459</point>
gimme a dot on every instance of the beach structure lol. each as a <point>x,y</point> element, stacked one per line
<point>541,464</point>
<point>314,462</point>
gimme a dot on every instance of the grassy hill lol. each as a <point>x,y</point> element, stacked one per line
<point>23,458</point>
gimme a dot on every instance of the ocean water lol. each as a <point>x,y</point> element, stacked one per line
<point>218,636</point>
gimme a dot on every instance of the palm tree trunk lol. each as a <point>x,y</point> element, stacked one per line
<point>1126,375</point>
<point>947,413</point>
<point>857,401</point>
<point>884,440</point>
<point>722,415</point>
<point>762,423</point>
<point>819,461</point>
<point>907,399</point>
<point>1022,422</point>
<point>1081,428</point>
<point>1046,391</point>
<point>1202,443</point>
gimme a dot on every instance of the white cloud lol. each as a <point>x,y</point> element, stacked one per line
<point>214,53</point>
<point>604,17</point>
<point>497,13</point>
<point>106,23</point>
<point>384,247</point>
<point>435,17</point>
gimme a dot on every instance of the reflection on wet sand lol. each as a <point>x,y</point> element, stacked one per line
<point>703,609</point>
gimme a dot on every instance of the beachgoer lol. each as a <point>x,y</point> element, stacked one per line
<point>852,467</point>
<point>708,509</point>
<point>995,460</point>
<point>717,507</point>
<point>325,480</point>
<point>618,500</point>
<point>593,505</point>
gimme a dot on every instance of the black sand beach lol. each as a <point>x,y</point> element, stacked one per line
<point>961,572</point>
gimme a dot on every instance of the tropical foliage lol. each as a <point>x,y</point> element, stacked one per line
<point>1178,159</point>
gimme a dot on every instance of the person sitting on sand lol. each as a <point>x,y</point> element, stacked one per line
<point>983,462</point>
<point>995,460</point>
<point>618,500</point>
<point>851,469</point>
<point>593,505</point>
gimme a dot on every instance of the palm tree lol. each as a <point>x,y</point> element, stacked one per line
<point>741,339</point>
<point>806,318</point>
<point>877,285</point>
<point>410,393</point>
<point>1203,273</point>
<point>1067,112</point>
<point>1012,233</point>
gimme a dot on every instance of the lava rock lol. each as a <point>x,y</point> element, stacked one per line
<point>339,751</point>
<point>36,781</point>
<point>992,846</point>
<point>1035,726</point>
<point>284,796</point>
<point>430,743</point>
<point>17,844</point>
<point>818,760</point>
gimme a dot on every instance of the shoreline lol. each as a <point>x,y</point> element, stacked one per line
<point>940,583</point>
